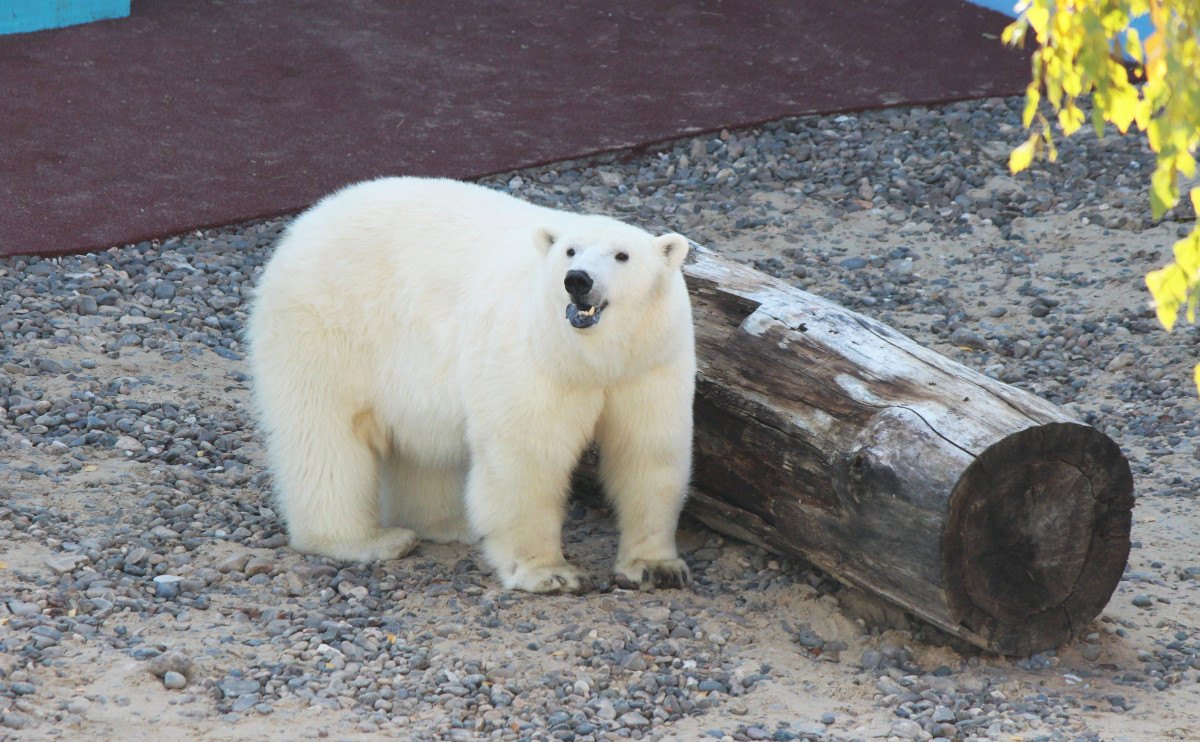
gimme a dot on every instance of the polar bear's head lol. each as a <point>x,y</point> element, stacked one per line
<point>603,265</point>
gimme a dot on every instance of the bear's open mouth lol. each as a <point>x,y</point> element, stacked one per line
<point>582,316</point>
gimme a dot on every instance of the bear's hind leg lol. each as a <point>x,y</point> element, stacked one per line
<point>327,474</point>
<point>425,499</point>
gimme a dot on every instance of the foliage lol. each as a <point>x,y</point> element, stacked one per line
<point>1081,43</point>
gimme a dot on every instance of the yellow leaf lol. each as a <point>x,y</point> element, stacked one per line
<point>1186,164</point>
<point>1013,34</point>
<point>1051,150</point>
<point>1157,134</point>
<point>1021,156</point>
<point>1195,195</point>
<point>1163,189</point>
<point>1168,286</point>
<point>1032,97</point>
<point>1123,106</point>
<point>1133,45</point>
<point>1197,375</point>
<point>1070,118</point>
<point>1038,16</point>
<point>1187,255</point>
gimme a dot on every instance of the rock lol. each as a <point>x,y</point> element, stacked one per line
<point>66,561</point>
<point>171,661</point>
<point>129,443</point>
<point>812,728</point>
<point>14,720</point>
<point>86,305</point>
<point>634,662</point>
<point>965,338</point>
<point>234,687</point>
<point>234,562</point>
<point>632,719</point>
<point>167,586</point>
<point>258,566</point>
<point>906,729</point>
<point>174,681</point>
<point>656,613</point>
<point>1120,361</point>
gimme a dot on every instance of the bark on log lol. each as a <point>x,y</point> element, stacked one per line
<point>983,509</point>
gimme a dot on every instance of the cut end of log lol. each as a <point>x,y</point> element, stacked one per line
<point>1037,537</point>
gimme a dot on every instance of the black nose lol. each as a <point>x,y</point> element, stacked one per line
<point>578,283</point>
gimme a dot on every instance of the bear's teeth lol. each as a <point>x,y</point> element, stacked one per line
<point>588,312</point>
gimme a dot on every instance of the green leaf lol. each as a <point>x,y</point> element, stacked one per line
<point>1098,121</point>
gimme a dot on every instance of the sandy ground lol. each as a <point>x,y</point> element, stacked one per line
<point>96,691</point>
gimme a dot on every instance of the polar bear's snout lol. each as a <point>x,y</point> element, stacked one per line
<point>586,305</point>
<point>577,283</point>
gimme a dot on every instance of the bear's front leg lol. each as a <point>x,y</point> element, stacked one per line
<point>645,442</point>
<point>517,506</point>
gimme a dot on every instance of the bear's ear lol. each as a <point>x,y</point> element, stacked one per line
<point>674,248</point>
<point>544,238</point>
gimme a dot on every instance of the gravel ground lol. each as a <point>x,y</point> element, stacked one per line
<point>146,589</point>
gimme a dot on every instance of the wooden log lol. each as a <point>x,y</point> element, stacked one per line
<point>822,433</point>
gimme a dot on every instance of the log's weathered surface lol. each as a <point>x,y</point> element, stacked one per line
<point>983,509</point>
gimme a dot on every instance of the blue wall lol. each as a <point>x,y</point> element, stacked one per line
<point>1141,24</point>
<point>20,16</point>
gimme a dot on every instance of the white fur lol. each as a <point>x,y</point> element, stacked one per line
<point>410,346</point>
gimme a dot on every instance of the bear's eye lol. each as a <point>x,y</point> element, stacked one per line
<point>570,252</point>
<point>622,257</point>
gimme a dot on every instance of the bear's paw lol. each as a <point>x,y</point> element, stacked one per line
<point>647,574</point>
<point>552,578</point>
<point>380,545</point>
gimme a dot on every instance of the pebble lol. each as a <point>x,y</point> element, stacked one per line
<point>172,661</point>
<point>965,338</point>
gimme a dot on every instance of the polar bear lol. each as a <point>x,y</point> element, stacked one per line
<point>430,358</point>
